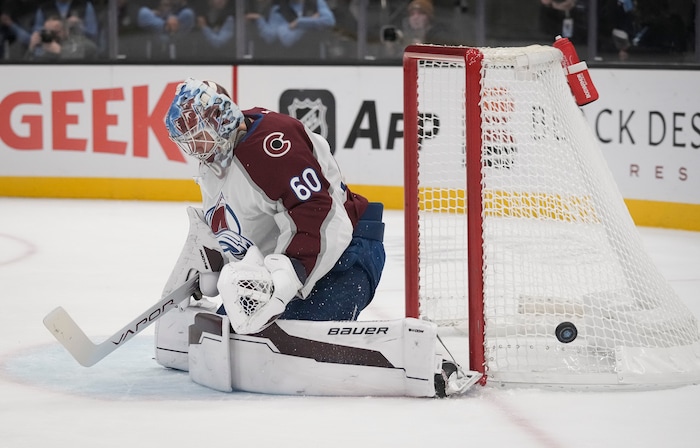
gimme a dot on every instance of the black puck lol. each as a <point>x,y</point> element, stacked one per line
<point>566,332</point>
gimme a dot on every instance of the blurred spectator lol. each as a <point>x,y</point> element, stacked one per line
<point>623,25</point>
<point>79,16</point>
<point>344,36</point>
<point>418,27</point>
<point>56,41</point>
<point>294,28</point>
<point>16,20</point>
<point>659,30</point>
<point>647,27</point>
<point>566,18</point>
<point>169,24</point>
<point>130,36</point>
<point>215,36</point>
<point>254,11</point>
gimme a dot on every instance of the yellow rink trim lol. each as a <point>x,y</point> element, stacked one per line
<point>146,189</point>
<point>645,213</point>
<point>513,204</point>
<point>672,215</point>
<point>101,188</point>
<point>539,205</point>
<point>391,197</point>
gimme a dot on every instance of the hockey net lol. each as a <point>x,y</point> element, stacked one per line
<point>515,228</point>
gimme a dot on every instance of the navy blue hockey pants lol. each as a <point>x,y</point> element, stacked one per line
<point>350,285</point>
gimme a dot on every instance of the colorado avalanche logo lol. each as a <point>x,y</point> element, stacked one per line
<point>275,145</point>
<point>227,229</point>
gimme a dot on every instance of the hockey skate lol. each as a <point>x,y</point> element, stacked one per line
<point>453,380</point>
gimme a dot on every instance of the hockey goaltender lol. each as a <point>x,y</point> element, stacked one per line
<point>286,258</point>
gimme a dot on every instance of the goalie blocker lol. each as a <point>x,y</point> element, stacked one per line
<point>327,358</point>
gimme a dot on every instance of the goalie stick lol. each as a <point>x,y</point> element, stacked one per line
<point>87,353</point>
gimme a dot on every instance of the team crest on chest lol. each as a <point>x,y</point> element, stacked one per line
<point>227,229</point>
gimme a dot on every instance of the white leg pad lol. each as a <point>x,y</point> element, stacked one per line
<point>367,358</point>
<point>172,333</point>
<point>209,354</point>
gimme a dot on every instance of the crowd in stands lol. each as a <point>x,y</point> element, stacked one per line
<point>157,30</point>
<point>627,27</point>
<point>206,30</point>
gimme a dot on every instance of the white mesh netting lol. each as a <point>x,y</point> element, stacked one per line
<point>559,245</point>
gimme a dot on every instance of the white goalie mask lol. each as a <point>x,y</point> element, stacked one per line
<point>203,121</point>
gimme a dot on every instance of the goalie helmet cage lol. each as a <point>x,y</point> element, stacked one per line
<point>515,227</point>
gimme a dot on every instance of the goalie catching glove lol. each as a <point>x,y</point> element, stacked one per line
<point>256,290</point>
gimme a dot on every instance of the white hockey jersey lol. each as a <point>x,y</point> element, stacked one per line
<point>284,193</point>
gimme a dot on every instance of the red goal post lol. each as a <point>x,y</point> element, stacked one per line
<point>515,228</point>
<point>457,56</point>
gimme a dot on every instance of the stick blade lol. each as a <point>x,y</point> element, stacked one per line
<point>67,332</point>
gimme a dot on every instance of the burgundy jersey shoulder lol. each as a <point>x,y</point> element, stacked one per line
<point>275,150</point>
<point>272,119</point>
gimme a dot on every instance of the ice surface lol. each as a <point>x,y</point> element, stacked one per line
<point>106,261</point>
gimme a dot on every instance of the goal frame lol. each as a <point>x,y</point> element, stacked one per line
<point>547,267</point>
<point>472,58</point>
